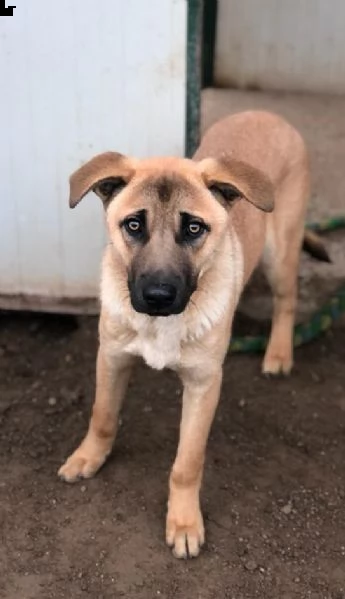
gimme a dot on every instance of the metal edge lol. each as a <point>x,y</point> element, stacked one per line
<point>194,74</point>
<point>209,41</point>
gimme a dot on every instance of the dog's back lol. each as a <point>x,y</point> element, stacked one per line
<point>262,139</point>
<point>269,143</point>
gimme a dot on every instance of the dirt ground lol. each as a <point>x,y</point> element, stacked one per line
<point>274,491</point>
<point>274,488</point>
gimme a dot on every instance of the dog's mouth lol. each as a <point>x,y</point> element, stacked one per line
<point>157,311</point>
<point>160,295</point>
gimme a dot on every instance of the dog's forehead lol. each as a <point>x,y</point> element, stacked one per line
<point>164,177</point>
<point>166,163</point>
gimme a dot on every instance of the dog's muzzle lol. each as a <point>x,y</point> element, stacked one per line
<point>159,294</point>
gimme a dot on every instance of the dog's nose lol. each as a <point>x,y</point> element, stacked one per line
<point>159,296</point>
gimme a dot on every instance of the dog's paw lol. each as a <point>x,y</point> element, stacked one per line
<point>276,364</point>
<point>185,536</point>
<point>81,465</point>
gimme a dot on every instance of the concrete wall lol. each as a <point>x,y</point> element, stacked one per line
<point>294,45</point>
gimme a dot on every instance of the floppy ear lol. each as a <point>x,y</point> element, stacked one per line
<point>232,179</point>
<point>105,174</point>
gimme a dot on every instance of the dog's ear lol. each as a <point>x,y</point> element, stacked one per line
<point>231,179</point>
<point>105,174</point>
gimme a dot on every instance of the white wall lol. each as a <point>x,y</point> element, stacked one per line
<point>78,77</point>
<point>294,45</point>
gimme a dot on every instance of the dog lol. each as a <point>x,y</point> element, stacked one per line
<point>185,236</point>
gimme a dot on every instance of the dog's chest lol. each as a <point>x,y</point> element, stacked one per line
<point>158,342</point>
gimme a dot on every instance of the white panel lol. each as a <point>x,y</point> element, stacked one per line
<point>297,45</point>
<point>79,77</point>
<point>9,250</point>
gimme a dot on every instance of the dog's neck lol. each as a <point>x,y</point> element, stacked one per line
<point>160,340</point>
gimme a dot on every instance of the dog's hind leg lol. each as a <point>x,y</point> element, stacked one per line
<point>284,236</point>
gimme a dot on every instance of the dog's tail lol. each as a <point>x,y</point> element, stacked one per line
<point>313,245</point>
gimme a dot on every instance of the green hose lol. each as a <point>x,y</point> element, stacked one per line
<point>318,323</point>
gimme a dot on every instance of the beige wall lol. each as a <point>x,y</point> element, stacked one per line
<point>294,45</point>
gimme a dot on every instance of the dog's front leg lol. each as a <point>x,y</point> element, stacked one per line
<point>185,527</point>
<point>111,382</point>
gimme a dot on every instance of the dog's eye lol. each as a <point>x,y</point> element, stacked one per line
<point>194,229</point>
<point>134,226</point>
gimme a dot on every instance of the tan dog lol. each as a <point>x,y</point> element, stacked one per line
<point>185,238</point>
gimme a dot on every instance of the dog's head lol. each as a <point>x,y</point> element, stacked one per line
<point>167,218</point>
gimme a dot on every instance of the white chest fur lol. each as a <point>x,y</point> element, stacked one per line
<point>158,341</point>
